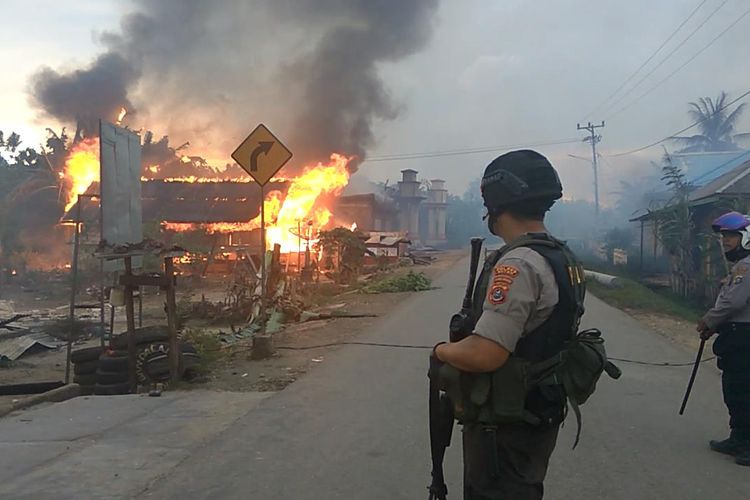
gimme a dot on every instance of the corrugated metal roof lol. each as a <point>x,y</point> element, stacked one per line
<point>13,345</point>
<point>703,168</point>
<point>196,202</point>
<point>734,181</point>
<point>390,241</point>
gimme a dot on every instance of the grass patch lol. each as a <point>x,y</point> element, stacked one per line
<point>410,282</point>
<point>633,295</point>
<point>209,348</point>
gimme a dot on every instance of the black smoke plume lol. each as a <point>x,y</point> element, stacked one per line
<point>207,72</point>
<point>83,96</point>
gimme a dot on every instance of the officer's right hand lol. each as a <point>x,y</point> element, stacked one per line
<point>435,363</point>
<point>706,334</point>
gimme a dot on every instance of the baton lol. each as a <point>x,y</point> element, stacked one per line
<point>692,376</point>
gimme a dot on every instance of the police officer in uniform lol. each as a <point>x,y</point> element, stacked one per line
<point>520,314</point>
<point>730,318</point>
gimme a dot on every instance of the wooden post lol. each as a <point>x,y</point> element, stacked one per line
<point>130,315</point>
<point>641,253</point>
<point>73,290</point>
<point>174,350</point>
<point>102,286</point>
<point>262,260</point>
<point>262,344</point>
<point>210,257</point>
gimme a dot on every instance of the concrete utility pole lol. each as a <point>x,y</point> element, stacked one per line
<point>594,139</point>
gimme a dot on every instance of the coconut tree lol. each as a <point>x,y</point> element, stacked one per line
<point>716,124</point>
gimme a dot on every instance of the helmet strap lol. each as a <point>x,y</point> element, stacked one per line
<point>737,254</point>
<point>492,214</point>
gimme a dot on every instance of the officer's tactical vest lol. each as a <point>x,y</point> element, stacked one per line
<point>550,365</point>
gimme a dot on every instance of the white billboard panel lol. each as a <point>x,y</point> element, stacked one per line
<point>120,179</point>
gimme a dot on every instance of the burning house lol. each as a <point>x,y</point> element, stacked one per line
<point>223,216</point>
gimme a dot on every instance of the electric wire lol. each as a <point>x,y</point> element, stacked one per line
<point>671,136</point>
<point>670,54</point>
<point>648,60</point>
<point>458,152</point>
<point>680,68</point>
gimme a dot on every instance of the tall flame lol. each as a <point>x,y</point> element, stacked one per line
<point>303,203</point>
<point>81,170</point>
<point>122,114</point>
<point>303,207</point>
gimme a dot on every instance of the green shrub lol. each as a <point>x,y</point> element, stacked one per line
<point>411,282</point>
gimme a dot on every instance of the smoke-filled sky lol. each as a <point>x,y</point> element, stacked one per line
<point>376,78</point>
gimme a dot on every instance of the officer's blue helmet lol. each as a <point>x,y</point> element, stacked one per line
<point>734,222</point>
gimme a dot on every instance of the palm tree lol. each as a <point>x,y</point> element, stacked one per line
<point>716,125</point>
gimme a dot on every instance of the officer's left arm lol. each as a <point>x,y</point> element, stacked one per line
<point>734,296</point>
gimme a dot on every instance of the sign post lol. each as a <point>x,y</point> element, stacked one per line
<point>261,155</point>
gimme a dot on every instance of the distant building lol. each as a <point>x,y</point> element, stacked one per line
<point>717,190</point>
<point>417,211</point>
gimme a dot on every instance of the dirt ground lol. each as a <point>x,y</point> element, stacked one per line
<point>677,330</point>
<point>233,371</point>
<point>237,372</point>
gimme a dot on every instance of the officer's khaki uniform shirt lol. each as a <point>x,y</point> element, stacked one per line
<point>521,295</point>
<point>733,302</point>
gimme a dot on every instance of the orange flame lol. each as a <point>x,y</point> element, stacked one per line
<point>304,204</point>
<point>122,114</point>
<point>81,170</point>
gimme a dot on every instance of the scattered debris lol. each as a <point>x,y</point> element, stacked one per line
<point>14,345</point>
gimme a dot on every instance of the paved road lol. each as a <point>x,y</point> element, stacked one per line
<point>355,428</point>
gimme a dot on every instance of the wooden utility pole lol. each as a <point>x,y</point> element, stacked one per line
<point>593,139</point>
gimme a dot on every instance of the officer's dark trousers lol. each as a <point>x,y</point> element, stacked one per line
<point>733,350</point>
<point>509,463</point>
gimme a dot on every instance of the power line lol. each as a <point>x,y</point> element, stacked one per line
<point>736,21</point>
<point>664,43</point>
<point>459,152</point>
<point>745,94</point>
<point>660,63</point>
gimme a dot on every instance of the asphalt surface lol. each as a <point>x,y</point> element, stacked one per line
<point>356,428</point>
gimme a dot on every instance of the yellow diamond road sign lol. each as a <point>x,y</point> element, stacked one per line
<point>261,155</point>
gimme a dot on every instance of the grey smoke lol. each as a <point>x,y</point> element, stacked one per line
<point>206,72</point>
<point>83,96</point>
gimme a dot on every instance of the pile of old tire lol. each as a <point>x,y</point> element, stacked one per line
<point>152,354</point>
<point>85,365</point>
<point>152,362</point>
<point>112,374</point>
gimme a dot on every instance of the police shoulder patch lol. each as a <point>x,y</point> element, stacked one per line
<point>506,270</point>
<point>497,295</point>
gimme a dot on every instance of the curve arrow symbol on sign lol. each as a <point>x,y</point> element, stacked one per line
<point>263,147</point>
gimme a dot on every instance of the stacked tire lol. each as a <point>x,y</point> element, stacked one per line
<point>85,365</point>
<point>152,354</point>
<point>112,374</point>
<point>153,363</point>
